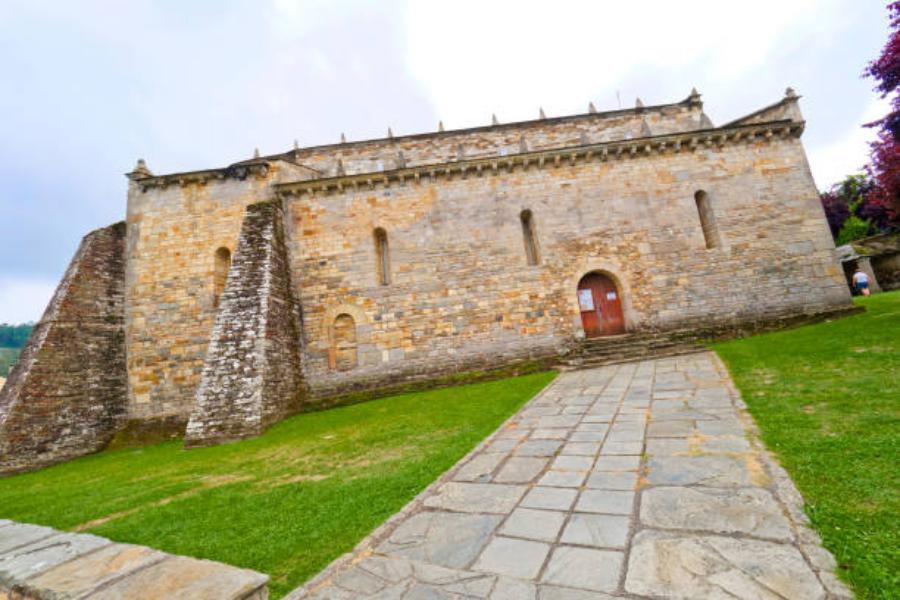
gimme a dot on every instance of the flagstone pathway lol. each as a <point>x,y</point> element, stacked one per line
<point>640,480</point>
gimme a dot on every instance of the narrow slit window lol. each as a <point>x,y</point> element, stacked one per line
<point>707,219</point>
<point>528,235</point>
<point>382,257</point>
<point>220,274</point>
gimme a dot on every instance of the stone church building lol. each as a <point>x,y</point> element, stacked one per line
<point>232,297</point>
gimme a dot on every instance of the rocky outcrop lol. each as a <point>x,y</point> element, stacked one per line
<point>251,376</point>
<point>67,394</point>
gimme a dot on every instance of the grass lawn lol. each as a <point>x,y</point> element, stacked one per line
<point>286,503</point>
<point>827,400</point>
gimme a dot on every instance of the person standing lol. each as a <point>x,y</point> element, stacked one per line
<point>861,282</point>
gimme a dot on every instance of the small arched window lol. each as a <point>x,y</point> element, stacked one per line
<point>344,342</point>
<point>220,273</point>
<point>707,219</point>
<point>529,236</point>
<point>382,257</point>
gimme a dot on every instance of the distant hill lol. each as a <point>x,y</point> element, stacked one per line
<point>12,339</point>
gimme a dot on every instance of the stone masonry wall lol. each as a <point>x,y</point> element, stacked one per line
<point>66,396</point>
<point>175,228</point>
<point>173,235</point>
<point>462,295</point>
<point>251,377</point>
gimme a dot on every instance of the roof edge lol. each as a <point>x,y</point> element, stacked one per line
<point>690,101</point>
<point>604,151</point>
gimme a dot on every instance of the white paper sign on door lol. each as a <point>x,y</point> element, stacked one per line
<point>585,300</point>
<point>610,295</point>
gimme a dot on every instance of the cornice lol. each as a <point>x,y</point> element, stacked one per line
<point>258,168</point>
<point>607,151</point>
<point>692,101</point>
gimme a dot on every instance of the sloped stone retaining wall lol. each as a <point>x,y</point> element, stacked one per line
<point>40,563</point>
<point>67,394</point>
<point>251,376</point>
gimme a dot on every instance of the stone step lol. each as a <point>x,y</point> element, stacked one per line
<point>594,352</point>
<point>637,338</point>
<point>40,563</point>
<point>630,350</point>
<point>592,362</point>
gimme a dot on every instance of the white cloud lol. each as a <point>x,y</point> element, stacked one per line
<point>23,300</point>
<point>508,56</point>
<point>830,163</point>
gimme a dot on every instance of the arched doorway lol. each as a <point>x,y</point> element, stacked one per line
<point>601,306</point>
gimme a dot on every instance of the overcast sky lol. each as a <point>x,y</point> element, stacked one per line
<point>87,87</point>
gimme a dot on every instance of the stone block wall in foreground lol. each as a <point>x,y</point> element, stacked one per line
<point>40,563</point>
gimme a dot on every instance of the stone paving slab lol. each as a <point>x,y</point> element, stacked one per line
<point>640,480</point>
<point>40,563</point>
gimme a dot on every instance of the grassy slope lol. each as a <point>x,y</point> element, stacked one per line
<point>827,400</point>
<point>286,503</point>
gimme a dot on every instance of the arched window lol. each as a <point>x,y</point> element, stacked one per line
<point>382,257</point>
<point>220,273</point>
<point>344,342</point>
<point>707,219</point>
<point>528,235</point>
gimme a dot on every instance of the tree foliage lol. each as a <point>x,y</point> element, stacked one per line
<point>14,336</point>
<point>885,165</point>
<point>869,203</point>
<point>853,228</point>
<point>853,209</point>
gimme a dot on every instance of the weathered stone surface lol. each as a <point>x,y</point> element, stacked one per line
<point>252,376</point>
<point>480,467</point>
<point>184,577</point>
<point>508,588</point>
<point>552,592</point>
<point>15,535</point>
<point>602,531</point>
<point>550,498</point>
<point>573,463</point>
<point>446,539</point>
<point>584,568</point>
<point>542,525</point>
<point>539,448</point>
<point>513,557</point>
<point>613,480</point>
<point>67,394</point>
<point>714,567</point>
<point>39,563</point>
<point>563,478</point>
<point>27,561</point>
<point>717,471</point>
<point>615,502</point>
<point>749,511</point>
<point>77,578</point>
<point>477,497</point>
<point>521,470</point>
<point>617,463</point>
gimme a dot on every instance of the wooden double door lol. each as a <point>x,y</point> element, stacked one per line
<point>601,305</point>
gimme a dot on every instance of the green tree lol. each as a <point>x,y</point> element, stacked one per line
<point>14,336</point>
<point>854,228</point>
